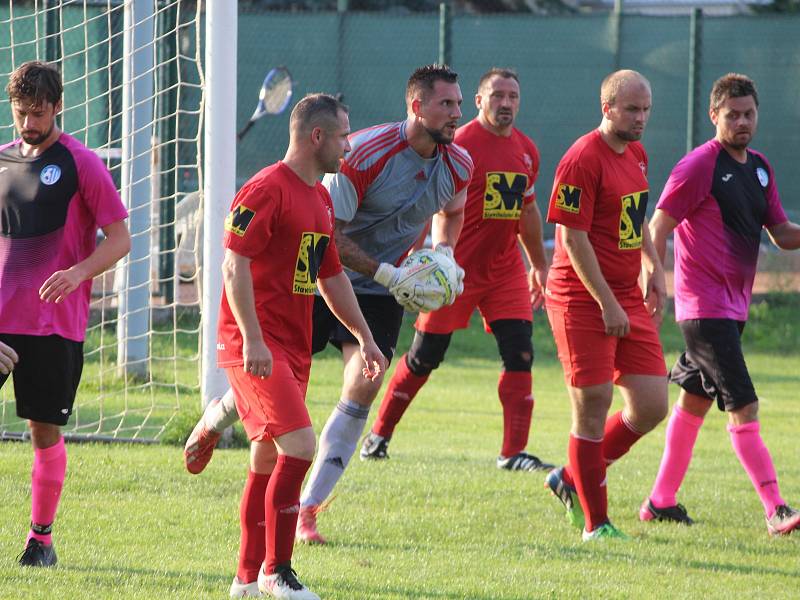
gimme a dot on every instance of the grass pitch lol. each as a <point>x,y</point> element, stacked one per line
<point>438,520</point>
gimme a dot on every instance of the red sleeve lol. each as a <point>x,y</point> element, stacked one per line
<point>574,195</point>
<point>251,221</point>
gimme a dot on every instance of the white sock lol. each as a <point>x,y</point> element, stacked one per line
<point>218,418</point>
<point>337,443</point>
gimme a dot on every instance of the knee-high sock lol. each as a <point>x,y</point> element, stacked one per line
<point>681,436</point>
<point>514,389</point>
<point>218,418</point>
<point>402,389</point>
<point>337,442</point>
<point>252,547</point>
<point>589,475</point>
<point>47,481</point>
<point>755,459</point>
<point>281,507</point>
<point>618,438</point>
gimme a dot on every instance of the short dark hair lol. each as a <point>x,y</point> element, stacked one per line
<point>732,85</point>
<point>423,79</point>
<point>35,81</point>
<point>316,110</point>
<point>503,72</point>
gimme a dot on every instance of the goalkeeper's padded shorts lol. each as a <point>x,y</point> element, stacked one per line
<point>381,312</point>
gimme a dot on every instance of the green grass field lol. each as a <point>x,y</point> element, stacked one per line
<point>438,520</point>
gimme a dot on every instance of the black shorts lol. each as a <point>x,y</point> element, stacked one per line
<point>382,313</point>
<point>713,364</point>
<point>46,376</point>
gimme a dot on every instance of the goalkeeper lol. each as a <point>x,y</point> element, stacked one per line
<point>396,177</point>
<point>500,207</point>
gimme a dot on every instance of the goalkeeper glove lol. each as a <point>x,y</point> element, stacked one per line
<point>458,288</point>
<point>401,284</point>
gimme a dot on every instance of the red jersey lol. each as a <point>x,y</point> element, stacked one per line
<point>286,227</point>
<point>505,170</point>
<point>604,193</point>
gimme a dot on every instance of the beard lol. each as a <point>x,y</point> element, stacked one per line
<point>737,145</point>
<point>37,138</point>
<point>628,136</point>
<point>439,137</point>
<point>504,118</point>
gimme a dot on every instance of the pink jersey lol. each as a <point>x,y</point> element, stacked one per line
<point>721,206</point>
<point>51,206</point>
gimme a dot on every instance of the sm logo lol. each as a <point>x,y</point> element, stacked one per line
<point>631,218</point>
<point>309,259</point>
<point>239,219</point>
<point>502,198</point>
<point>568,198</point>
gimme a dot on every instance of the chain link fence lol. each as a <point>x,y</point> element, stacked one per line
<point>561,61</point>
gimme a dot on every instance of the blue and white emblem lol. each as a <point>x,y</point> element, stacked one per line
<point>763,176</point>
<point>50,174</point>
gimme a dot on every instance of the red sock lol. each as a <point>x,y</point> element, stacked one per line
<point>252,548</point>
<point>618,438</point>
<point>281,507</point>
<point>47,480</point>
<point>402,388</point>
<point>589,473</point>
<point>514,389</point>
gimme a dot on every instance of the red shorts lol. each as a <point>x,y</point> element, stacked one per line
<point>270,407</point>
<point>509,300</point>
<point>590,357</point>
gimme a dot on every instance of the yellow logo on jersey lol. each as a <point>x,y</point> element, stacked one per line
<point>239,219</point>
<point>568,198</point>
<point>309,259</point>
<point>631,218</point>
<point>502,198</point>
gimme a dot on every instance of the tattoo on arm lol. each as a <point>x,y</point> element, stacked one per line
<point>351,255</point>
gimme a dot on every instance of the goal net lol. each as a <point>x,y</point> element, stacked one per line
<point>133,93</point>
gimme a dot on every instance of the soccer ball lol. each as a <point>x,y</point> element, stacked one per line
<point>435,278</point>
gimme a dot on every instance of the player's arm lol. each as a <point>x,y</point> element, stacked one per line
<point>654,283</point>
<point>584,261</point>
<point>338,295</point>
<point>530,235</point>
<point>8,358</point>
<point>116,245</point>
<point>238,282</point>
<point>660,228</point>
<point>785,236</point>
<point>447,223</point>
<point>351,255</point>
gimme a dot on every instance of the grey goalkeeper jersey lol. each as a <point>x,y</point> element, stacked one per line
<point>386,193</point>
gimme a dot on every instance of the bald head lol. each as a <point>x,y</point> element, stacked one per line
<point>619,82</point>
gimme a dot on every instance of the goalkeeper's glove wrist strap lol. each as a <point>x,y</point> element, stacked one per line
<point>385,274</point>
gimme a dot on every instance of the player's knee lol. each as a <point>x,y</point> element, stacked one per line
<point>514,343</point>
<point>427,352</point>
<point>44,435</point>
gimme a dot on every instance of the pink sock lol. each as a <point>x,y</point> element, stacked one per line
<point>681,436</point>
<point>755,459</point>
<point>47,479</point>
